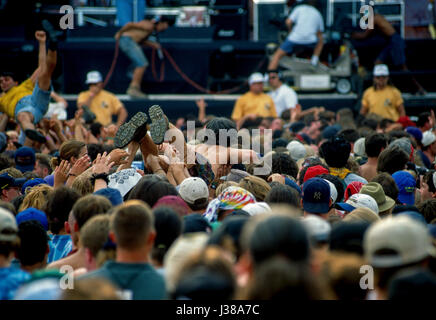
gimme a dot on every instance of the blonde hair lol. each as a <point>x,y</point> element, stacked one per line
<point>36,197</point>
<point>257,186</point>
<point>82,184</point>
<point>13,172</point>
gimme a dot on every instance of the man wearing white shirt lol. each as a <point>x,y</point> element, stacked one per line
<point>306,25</point>
<point>284,97</point>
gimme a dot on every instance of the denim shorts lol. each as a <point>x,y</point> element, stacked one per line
<point>133,51</point>
<point>36,103</point>
<point>289,46</point>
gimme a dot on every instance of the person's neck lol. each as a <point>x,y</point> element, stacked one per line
<point>372,161</point>
<point>380,87</point>
<point>136,256</point>
<point>5,262</point>
<point>34,267</point>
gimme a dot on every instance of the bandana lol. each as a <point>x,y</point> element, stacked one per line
<point>353,188</point>
<point>232,198</point>
<point>341,173</point>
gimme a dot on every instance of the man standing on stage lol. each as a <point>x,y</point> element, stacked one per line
<point>131,36</point>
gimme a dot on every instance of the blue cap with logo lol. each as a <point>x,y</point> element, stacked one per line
<point>316,196</point>
<point>7,181</point>
<point>25,159</point>
<point>406,185</point>
<point>31,183</point>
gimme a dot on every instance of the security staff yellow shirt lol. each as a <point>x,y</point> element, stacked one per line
<point>9,100</point>
<point>260,104</point>
<point>104,105</point>
<point>384,103</point>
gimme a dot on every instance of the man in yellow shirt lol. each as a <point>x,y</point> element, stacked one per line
<point>101,102</point>
<point>383,99</point>
<point>254,103</point>
<point>28,102</point>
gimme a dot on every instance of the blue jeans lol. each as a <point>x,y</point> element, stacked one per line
<point>125,10</point>
<point>289,46</point>
<point>394,52</point>
<point>133,51</point>
<point>36,103</point>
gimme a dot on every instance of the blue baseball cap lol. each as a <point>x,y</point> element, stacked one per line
<point>316,196</point>
<point>31,183</point>
<point>415,132</point>
<point>7,181</point>
<point>25,159</point>
<point>49,180</point>
<point>113,195</point>
<point>406,185</point>
<point>33,214</point>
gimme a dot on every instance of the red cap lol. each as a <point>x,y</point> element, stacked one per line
<point>353,188</point>
<point>314,171</point>
<point>406,122</point>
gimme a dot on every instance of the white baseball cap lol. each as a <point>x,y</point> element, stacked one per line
<point>381,70</point>
<point>359,200</point>
<point>317,228</point>
<point>257,208</point>
<point>359,147</point>
<point>428,138</point>
<point>408,238</point>
<point>93,77</point>
<point>193,189</point>
<point>8,226</point>
<point>124,180</point>
<point>297,150</point>
<point>256,77</point>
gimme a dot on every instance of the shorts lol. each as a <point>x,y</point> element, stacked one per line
<point>289,46</point>
<point>394,52</point>
<point>133,51</point>
<point>36,103</point>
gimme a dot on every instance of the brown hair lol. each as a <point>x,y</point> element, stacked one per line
<point>225,185</point>
<point>257,186</point>
<point>87,207</point>
<point>68,149</point>
<point>132,223</point>
<point>91,289</point>
<point>13,172</point>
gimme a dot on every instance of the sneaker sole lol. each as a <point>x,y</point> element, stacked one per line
<point>132,130</point>
<point>159,124</point>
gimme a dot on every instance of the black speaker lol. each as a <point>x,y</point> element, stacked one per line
<point>230,24</point>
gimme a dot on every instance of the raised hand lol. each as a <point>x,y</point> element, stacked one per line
<point>61,173</point>
<point>80,166</point>
<point>102,164</point>
<point>118,156</point>
<point>40,36</point>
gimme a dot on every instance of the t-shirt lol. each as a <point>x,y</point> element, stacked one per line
<point>104,105</point>
<point>11,279</point>
<point>250,103</point>
<point>9,100</point>
<point>60,246</point>
<point>284,98</point>
<point>307,21</point>
<point>137,281</point>
<point>425,160</point>
<point>384,103</point>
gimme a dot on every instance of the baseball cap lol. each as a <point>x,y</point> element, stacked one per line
<point>25,159</point>
<point>316,196</point>
<point>352,188</point>
<point>33,214</point>
<point>376,191</point>
<point>363,215</point>
<point>124,180</point>
<point>428,138</point>
<point>381,70</point>
<point>314,171</point>
<point>333,191</point>
<point>415,132</point>
<point>330,131</point>
<point>8,226</point>
<point>359,200</point>
<point>348,236</point>
<point>7,181</point>
<point>31,183</point>
<point>317,228</point>
<point>174,202</point>
<point>256,77</point>
<point>359,147</point>
<point>405,121</point>
<point>415,284</point>
<point>193,189</point>
<point>93,77</point>
<point>406,186</point>
<point>113,195</point>
<point>236,175</point>
<point>296,149</point>
<point>194,222</point>
<point>254,209</point>
<point>407,239</point>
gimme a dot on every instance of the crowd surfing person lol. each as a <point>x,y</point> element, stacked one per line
<point>144,213</point>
